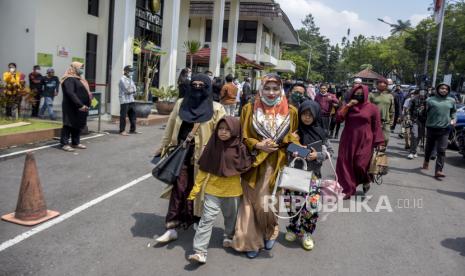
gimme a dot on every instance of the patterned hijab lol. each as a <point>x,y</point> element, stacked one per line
<point>71,72</point>
<point>271,121</point>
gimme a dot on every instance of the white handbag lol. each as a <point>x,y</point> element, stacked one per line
<point>292,179</point>
<point>296,180</point>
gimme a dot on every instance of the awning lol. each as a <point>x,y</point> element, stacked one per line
<point>202,57</point>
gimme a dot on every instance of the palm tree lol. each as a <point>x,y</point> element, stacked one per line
<point>401,26</point>
<point>192,47</point>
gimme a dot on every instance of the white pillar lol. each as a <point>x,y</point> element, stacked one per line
<point>258,45</point>
<point>203,23</point>
<point>217,37</point>
<point>123,35</point>
<point>232,34</point>
<point>169,42</point>
<point>183,35</point>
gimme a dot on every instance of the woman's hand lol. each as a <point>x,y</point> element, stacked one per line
<point>352,103</point>
<point>267,145</point>
<point>84,108</point>
<point>312,155</point>
<point>381,148</point>
<point>295,135</point>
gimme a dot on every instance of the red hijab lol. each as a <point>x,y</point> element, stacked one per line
<point>359,106</point>
<point>226,158</point>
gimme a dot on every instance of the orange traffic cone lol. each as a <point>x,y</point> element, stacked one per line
<point>31,208</point>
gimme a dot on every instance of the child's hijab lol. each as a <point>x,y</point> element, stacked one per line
<point>226,158</point>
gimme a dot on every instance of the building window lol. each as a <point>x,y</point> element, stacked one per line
<point>246,33</point>
<point>208,30</point>
<point>91,60</point>
<point>92,7</point>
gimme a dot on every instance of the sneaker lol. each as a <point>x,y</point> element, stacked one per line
<point>307,242</point>
<point>80,146</point>
<point>415,155</point>
<point>169,235</point>
<point>269,244</point>
<point>411,156</point>
<point>251,254</point>
<point>290,237</point>
<point>366,187</point>
<point>198,257</point>
<point>227,242</point>
<point>67,148</point>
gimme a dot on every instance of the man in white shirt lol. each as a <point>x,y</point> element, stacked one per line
<point>127,89</point>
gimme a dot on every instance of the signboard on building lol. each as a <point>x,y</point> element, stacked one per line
<point>78,59</point>
<point>95,104</point>
<point>45,60</point>
<point>148,20</point>
<point>63,51</point>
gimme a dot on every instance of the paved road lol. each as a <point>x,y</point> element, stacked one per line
<point>111,237</point>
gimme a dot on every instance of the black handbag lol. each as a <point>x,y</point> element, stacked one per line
<point>167,170</point>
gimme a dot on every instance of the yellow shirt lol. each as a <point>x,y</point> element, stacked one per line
<point>216,185</point>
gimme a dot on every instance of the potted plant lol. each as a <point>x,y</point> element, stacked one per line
<point>148,58</point>
<point>166,98</point>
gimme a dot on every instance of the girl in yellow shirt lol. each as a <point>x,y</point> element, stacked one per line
<point>223,160</point>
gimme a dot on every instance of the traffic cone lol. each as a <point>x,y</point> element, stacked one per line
<point>31,208</point>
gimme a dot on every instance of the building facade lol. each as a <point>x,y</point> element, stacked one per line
<point>101,34</point>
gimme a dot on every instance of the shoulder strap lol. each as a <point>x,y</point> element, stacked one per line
<point>191,134</point>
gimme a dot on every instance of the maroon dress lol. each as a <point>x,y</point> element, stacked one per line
<point>362,133</point>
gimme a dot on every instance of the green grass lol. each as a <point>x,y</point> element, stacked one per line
<point>34,126</point>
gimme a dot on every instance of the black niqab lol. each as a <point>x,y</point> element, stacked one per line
<point>197,106</point>
<point>314,132</point>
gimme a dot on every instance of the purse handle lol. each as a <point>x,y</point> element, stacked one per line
<point>191,135</point>
<point>304,166</point>
<point>330,162</point>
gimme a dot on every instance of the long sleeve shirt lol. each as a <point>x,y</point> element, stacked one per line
<point>127,89</point>
<point>385,103</point>
<point>216,185</point>
<point>326,102</point>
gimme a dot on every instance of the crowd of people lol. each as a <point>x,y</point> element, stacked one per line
<point>233,164</point>
<point>44,88</point>
<point>237,143</point>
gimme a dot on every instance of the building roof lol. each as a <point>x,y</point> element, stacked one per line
<point>202,57</point>
<point>267,11</point>
<point>368,74</point>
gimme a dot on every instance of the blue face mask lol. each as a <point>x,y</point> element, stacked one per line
<point>80,71</point>
<point>269,102</point>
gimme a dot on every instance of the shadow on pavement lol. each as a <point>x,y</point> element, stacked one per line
<point>456,161</point>
<point>457,244</point>
<point>449,193</point>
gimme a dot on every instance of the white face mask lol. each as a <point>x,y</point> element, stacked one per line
<point>37,71</point>
<point>12,69</point>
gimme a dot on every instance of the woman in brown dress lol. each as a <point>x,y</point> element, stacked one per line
<point>268,127</point>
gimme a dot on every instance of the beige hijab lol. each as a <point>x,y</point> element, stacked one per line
<point>71,72</point>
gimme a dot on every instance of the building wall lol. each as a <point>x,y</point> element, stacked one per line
<point>51,24</point>
<point>194,30</point>
<point>72,34</point>
<point>17,45</point>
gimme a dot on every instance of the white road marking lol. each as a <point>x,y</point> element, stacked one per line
<point>69,214</point>
<point>44,147</point>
